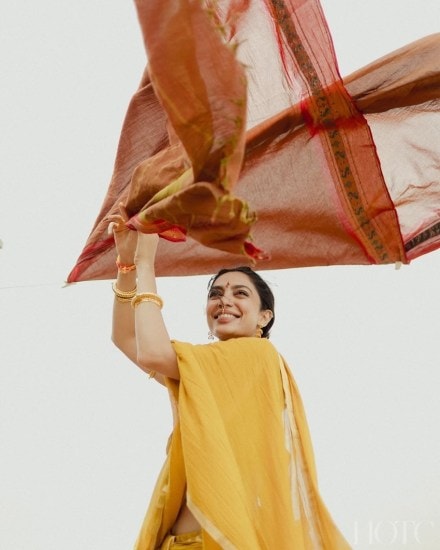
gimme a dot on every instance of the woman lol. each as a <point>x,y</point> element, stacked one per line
<point>239,472</point>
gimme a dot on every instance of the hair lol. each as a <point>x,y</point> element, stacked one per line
<point>267,299</point>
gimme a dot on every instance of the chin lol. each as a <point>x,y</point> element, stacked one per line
<point>223,335</point>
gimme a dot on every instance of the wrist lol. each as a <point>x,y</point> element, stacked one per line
<point>144,264</point>
<point>126,281</point>
<point>124,267</point>
<point>126,260</point>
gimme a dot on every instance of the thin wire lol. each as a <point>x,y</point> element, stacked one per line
<point>38,285</point>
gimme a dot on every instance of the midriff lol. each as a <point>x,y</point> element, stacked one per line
<point>185,522</point>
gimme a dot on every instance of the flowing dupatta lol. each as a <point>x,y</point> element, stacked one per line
<point>248,461</point>
<point>242,122</point>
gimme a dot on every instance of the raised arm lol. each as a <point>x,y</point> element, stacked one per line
<point>154,350</point>
<point>139,332</point>
<point>123,327</point>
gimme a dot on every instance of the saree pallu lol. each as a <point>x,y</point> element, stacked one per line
<point>242,122</point>
<point>241,453</point>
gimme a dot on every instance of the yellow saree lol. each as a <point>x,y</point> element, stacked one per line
<point>241,450</point>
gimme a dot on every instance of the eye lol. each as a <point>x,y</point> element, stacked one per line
<point>242,292</point>
<point>214,293</point>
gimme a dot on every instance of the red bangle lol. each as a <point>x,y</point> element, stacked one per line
<point>124,268</point>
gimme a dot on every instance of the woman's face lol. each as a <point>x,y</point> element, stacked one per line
<point>233,307</point>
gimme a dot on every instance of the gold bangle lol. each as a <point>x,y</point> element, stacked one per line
<point>124,268</point>
<point>147,297</point>
<point>123,296</point>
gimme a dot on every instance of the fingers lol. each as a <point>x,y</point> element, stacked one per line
<point>115,227</point>
<point>118,221</point>
<point>116,224</point>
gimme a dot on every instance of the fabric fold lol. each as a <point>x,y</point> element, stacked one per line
<point>243,138</point>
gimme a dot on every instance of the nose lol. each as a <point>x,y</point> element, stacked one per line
<point>224,302</point>
<point>226,299</point>
<point>221,305</point>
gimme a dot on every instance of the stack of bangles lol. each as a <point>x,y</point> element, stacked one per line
<point>125,296</point>
<point>136,299</point>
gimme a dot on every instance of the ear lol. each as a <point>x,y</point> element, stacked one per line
<point>264,318</point>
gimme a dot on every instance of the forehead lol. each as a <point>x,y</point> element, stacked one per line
<point>234,278</point>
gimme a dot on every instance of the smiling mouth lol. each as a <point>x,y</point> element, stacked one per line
<point>225,316</point>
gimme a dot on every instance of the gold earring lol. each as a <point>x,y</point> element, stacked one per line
<point>259,331</point>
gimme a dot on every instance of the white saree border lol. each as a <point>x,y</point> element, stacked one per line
<point>301,490</point>
<point>209,527</point>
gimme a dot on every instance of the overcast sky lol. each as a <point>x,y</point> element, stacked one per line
<point>82,430</point>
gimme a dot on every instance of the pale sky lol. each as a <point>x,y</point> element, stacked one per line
<point>83,431</point>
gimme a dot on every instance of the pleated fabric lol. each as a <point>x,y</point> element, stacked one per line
<point>243,449</point>
<point>243,144</point>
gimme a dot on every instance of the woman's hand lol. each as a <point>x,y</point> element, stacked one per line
<point>146,249</point>
<point>125,239</point>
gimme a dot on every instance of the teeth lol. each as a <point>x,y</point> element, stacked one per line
<point>227,315</point>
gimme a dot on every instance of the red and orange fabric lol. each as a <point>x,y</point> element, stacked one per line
<point>243,126</point>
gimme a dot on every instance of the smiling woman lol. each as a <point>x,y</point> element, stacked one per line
<point>240,303</point>
<point>240,471</point>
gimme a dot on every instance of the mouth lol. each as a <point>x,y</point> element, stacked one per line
<point>225,316</point>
